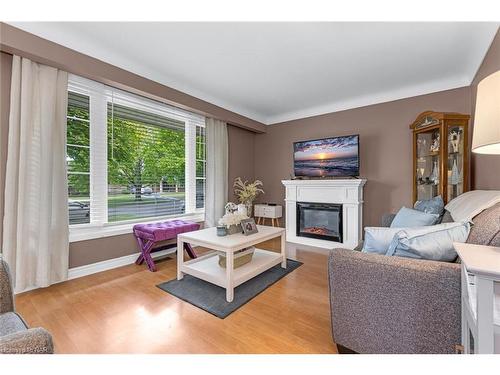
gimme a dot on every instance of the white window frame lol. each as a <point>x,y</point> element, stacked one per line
<point>99,96</point>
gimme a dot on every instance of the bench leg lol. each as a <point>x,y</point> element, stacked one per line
<point>146,254</point>
<point>146,247</point>
<point>190,250</point>
<point>140,258</point>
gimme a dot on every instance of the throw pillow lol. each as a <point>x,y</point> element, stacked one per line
<point>472,203</point>
<point>432,243</point>
<point>430,206</point>
<point>378,239</point>
<point>407,217</point>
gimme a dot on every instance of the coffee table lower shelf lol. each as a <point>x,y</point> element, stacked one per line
<point>207,267</point>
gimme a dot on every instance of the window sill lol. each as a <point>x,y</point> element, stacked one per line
<point>88,232</point>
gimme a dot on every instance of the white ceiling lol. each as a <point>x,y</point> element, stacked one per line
<point>273,72</point>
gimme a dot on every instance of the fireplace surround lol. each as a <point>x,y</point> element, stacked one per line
<point>343,195</point>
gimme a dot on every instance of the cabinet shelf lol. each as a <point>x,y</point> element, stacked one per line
<point>428,156</point>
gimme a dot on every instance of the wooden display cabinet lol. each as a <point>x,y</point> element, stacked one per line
<point>440,155</point>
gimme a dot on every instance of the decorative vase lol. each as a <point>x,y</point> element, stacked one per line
<point>242,209</point>
<point>455,176</point>
<point>249,206</point>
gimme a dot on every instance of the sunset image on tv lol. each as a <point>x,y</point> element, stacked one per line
<point>330,157</point>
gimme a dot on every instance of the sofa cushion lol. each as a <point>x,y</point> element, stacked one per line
<point>486,227</point>
<point>10,323</point>
<point>432,242</point>
<point>467,205</point>
<point>378,239</point>
<point>430,206</point>
<point>407,217</point>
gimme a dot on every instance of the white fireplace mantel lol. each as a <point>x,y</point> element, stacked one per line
<point>348,192</point>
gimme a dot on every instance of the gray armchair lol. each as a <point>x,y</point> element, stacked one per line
<point>15,336</point>
<point>383,304</point>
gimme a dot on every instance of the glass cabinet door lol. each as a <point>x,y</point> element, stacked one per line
<point>428,163</point>
<point>456,161</point>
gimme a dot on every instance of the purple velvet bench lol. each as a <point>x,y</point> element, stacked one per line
<point>148,235</point>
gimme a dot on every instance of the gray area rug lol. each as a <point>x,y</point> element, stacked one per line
<point>212,298</point>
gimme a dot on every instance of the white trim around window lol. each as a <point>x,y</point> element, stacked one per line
<point>100,95</point>
<point>85,232</point>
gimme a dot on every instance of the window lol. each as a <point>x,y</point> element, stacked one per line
<point>78,158</point>
<point>130,158</point>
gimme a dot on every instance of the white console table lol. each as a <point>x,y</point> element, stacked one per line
<point>480,298</point>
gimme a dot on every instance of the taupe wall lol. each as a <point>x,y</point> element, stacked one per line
<point>385,147</point>
<point>486,167</point>
<point>92,251</point>
<point>241,156</point>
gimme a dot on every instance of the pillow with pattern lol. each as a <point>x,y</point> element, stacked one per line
<point>430,206</point>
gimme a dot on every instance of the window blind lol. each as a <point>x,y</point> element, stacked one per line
<point>146,164</point>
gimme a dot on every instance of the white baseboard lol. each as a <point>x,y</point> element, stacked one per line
<point>109,264</point>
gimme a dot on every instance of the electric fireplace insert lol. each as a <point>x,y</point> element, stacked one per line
<point>319,220</point>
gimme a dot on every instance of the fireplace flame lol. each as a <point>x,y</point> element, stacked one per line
<point>316,230</point>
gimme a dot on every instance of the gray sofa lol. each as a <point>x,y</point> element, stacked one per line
<point>382,304</point>
<point>15,336</point>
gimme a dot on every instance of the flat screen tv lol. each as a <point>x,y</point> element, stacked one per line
<point>327,157</point>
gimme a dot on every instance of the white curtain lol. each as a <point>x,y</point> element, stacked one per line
<point>35,240</point>
<point>216,172</point>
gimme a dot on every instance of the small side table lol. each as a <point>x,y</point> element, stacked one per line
<point>480,272</point>
<point>266,211</point>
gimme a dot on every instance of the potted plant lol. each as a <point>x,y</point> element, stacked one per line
<point>247,192</point>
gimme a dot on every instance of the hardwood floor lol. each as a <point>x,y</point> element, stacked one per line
<point>122,311</point>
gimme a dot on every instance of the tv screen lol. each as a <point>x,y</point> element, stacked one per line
<point>328,157</point>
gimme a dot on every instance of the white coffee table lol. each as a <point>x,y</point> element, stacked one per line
<point>206,267</point>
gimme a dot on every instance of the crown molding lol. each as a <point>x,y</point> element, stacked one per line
<point>368,100</point>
